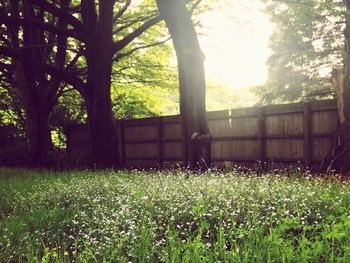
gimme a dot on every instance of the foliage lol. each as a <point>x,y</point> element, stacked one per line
<point>220,96</point>
<point>134,65</point>
<point>10,110</point>
<point>307,43</point>
<point>144,84</point>
<point>172,217</point>
<point>70,109</point>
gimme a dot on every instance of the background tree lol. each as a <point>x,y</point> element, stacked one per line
<point>307,43</point>
<point>197,139</point>
<point>310,61</point>
<point>32,87</point>
<point>102,31</point>
<point>96,35</point>
<point>105,28</point>
<point>343,98</point>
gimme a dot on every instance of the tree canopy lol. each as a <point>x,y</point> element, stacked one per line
<point>307,43</point>
<point>111,52</point>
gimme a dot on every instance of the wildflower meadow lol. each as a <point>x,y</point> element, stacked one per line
<point>132,216</point>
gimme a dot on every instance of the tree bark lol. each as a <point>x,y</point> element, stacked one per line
<point>196,134</point>
<point>104,141</point>
<point>99,55</point>
<point>36,93</point>
<point>345,100</point>
<point>38,133</point>
<point>37,112</point>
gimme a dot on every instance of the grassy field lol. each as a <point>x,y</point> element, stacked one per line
<point>166,217</point>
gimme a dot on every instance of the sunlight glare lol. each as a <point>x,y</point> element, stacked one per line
<point>235,43</point>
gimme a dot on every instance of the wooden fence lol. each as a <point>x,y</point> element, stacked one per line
<point>286,133</point>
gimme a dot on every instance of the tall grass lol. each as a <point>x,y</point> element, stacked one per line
<point>170,217</point>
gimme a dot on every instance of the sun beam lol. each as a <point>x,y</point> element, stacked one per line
<point>235,43</point>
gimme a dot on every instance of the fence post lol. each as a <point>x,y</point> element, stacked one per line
<point>261,136</point>
<point>307,130</point>
<point>160,142</point>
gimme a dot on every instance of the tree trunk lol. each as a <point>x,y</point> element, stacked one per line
<point>345,100</point>
<point>37,112</point>
<point>104,143</point>
<point>197,138</point>
<point>36,92</point>
<point>99,55</point>
<point>39,136</point>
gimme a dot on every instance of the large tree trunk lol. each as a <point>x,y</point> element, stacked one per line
<point>344,100</point>
<point>39,135</point>
<point>338,158</point>
<point>36,93</point>
<point>99,54</point>
<point>37,112</point>
<point>104,144</point>
<point>197,139</point>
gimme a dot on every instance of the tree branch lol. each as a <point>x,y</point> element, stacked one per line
<point>50,44</point>
<point>74,9</point>
<point>122,10</point>
<point>75,59</point>
<point>89,14</point>
<point>195,5</point>
<point>45,26</point>
<point>119,45</point>
<point>59,12</point>
<point>129,23</point>
<point>48,69</point>
<point>122,55</point>
<point>60,59</point>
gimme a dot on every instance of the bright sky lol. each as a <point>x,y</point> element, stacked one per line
<point>236,43</point>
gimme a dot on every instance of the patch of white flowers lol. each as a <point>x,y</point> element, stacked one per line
<point>107,210</point>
